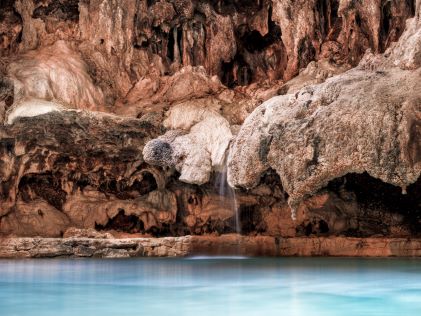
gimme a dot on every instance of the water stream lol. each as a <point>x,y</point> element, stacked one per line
<point>227,193</point>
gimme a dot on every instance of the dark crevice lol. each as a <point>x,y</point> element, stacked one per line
<point>46,186</point>
<point>236,72</point>
<point>386,22</point>
<point>328,16</point>
<point>411,4</point>
<point>150,2</point>
<point>124,191</point>
<point>170,48</point>
<point>315,227</point>
<point>374,195</point>
<point>175,35</point>
<point>251,220</point>
<point>306,52</point>
<point>123,223</point>
<point>227,75</point>
<point>63,10</point>
<point>6,91</point>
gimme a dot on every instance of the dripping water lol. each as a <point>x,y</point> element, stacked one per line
<point>227,193</point>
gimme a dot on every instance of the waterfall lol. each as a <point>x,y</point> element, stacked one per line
<point>227,193</point>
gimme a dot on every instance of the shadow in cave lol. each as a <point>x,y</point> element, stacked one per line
<point>374,194</point>
<point>124,192</point>
<point>123,223</point>
<point>46,186</point>
<point>64,10</point>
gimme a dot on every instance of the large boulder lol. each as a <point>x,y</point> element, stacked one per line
<point>365,120</point>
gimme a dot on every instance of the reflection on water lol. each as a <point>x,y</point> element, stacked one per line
<point>211,286</point>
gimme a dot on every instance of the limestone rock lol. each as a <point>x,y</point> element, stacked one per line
<point>364,120</point>
<point>55,73</point>
<point>178,78</point>
<point>197,150</point>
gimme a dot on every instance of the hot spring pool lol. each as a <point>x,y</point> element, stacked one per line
<point>204,286</point>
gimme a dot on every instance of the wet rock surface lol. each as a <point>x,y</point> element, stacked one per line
<point>122,121</point>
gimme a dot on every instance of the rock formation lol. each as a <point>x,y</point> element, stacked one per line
<point>124,119</point>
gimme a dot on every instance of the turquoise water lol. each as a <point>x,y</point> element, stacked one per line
<point>214,287</point>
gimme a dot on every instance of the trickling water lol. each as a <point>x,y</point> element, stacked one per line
<point>227,193</point>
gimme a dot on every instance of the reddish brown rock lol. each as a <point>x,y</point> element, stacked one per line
<point>179,78</point>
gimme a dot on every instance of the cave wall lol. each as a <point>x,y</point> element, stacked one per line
<point>97,179</point>
<point>63,166</point>
<point>242,42</point>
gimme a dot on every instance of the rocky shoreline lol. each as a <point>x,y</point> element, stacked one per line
<point>231,244</point>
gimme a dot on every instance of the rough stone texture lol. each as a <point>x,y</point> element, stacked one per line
<point>196,144</point>
<point>57,73</point>
<point>203,245</point>
<point>364,120</point>
<point>129,44</point>
<point>77,168</point>
<point>178,79</point>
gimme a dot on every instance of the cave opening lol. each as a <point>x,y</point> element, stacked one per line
<point>253,41</point>
<point>236,72</point>
<point>315,227</point>
<point>374,195</point>
<point>123,223</point>
<point>123,191</point>
<point>227,74</point>
<point>251,220</point>
<point>46,186</point>
<point>146,185</point>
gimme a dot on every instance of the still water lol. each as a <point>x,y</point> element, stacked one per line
<point>218,286</point>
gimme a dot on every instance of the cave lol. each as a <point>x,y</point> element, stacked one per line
<point>123,223</point>
<point>146,185</point>
<point>253,41</point>
<point>123,191</point>
<point>251,221</point>
<point>314,227</point>
<point>45,185</point>
<point>226,74</point>
<point>236,72</point>
<point>372,194</point>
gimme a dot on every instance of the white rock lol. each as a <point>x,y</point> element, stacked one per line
<point>199,146</point>
<point>31,108</point>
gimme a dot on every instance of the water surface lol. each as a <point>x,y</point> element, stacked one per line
<point>203,286</point>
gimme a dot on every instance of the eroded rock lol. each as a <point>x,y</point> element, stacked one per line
<point>188,74</point>
<point>361,121</point>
